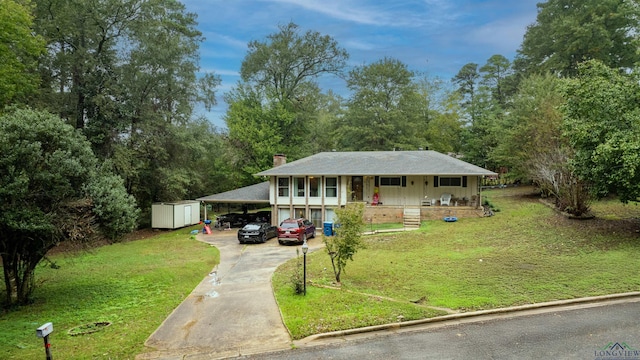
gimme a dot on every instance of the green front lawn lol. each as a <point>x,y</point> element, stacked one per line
<point>134,285</point>
<point>526,253</point>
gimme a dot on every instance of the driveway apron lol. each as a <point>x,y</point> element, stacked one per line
<point>232,311</point>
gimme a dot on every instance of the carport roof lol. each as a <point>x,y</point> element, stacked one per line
<point>253,194</point>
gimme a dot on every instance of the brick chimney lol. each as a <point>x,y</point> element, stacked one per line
<point>279,159</point>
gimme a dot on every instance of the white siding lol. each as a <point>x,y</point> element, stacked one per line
<point>162,216</point>
<point>175,215</point>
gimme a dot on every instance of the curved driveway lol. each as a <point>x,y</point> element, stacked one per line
<point>233,310</point>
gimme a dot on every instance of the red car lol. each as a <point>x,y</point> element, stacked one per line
<point>295,231</point>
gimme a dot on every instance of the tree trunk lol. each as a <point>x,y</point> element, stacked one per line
<point>336,271</point>
<point>25,285</point>
<point>19,277</point>
<point>7,280</point>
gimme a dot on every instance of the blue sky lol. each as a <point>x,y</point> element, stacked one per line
<point>436,37</point>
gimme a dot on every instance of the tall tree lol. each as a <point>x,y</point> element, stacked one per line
<point>51,190</point>
<point>273,106</point>
<point>125,73</point>
<point>567,32</point>
<point>255,131</point>
<point>466,80</point>
<point>113,63</point>
<point>603,126</point>
<point>494,75</point>
<point>19,51</point>
<point>325,123</point>
<point>282,64</point>
<point>160,90</point>
<point>482,136</point>
<point>444,129</point>
<point>532,145</point>
<point>82,54</point>
<point>386,109</point>
<point>482,104</point>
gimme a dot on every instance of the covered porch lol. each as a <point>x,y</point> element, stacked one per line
<point>415,190</point>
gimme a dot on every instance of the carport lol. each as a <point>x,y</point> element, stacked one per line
<point>252,194</point>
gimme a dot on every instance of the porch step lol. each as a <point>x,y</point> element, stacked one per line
<point>411,217</point>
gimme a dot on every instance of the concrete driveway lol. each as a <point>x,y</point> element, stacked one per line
<point>233,310</point>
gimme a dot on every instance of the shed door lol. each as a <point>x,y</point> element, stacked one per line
<point>187,215</point>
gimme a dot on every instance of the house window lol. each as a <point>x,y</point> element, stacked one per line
<point>390,181</point>
<point>331,187</point>
<point>450,181</point>
<point>283,187</point>
<point>298,184</point>
<point>314,187</point>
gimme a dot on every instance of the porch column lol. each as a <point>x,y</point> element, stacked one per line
<point>323,190</point>
<point>479,192</point>
<point>274,208</point>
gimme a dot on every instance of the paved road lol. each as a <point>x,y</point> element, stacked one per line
<point>233,310</point>
<point>572,332</point>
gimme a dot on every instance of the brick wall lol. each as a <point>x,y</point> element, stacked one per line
<point>383,214</point>
<point>391,214</point>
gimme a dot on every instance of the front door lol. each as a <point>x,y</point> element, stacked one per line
<point>356,188</point>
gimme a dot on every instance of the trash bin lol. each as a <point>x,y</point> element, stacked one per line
<point>328,228</point>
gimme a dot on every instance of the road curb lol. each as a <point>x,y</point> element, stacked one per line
<point>458,316</point>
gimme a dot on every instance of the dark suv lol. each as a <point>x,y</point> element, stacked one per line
<point>295,231</point>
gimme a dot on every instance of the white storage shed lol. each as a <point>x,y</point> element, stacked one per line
<point>174,215</point>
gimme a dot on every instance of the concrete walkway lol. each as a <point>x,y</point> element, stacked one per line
<point>232,311</point>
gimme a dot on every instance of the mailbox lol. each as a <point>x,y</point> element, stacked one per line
<point>44,330</point>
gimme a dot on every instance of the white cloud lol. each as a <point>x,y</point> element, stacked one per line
<point>397,14</point>
<point>221,72</point>
<point>355,44</point>
<point>503,35</point>
<point>225,40</point>
<point>343,10</point>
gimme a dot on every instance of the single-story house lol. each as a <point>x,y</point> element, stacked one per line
<point>390,183</point>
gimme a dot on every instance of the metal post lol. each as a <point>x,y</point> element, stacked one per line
<point>305,273</point>
<point>47,347</point>
<point>305,248</point>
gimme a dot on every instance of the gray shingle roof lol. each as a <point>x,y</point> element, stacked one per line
<point>258,193</point>
<point>419,162</point>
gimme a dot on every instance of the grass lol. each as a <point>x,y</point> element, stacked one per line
<point>526,253</point>
<point>134,285</point>
<point>381,226</point>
